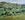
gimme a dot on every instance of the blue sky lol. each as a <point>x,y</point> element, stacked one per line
<point>15,1</point>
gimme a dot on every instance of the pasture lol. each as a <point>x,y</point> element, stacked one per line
<point>18,17</point>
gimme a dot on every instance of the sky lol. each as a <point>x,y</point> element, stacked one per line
<point>15,1</point>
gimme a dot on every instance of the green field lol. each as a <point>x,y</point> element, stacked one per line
<point>21,17</point>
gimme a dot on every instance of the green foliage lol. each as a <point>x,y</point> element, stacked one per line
<point>10,9</point>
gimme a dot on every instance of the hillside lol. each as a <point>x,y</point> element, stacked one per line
<point>10,8</point>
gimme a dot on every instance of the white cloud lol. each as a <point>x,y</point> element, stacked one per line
<point>15,1</point>
<point>12,1</point>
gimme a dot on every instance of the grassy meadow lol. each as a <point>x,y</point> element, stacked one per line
<point>21,17</point>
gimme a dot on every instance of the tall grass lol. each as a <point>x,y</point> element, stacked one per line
<point>21,17</point>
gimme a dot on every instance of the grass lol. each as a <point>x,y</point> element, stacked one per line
<point>21,17</point>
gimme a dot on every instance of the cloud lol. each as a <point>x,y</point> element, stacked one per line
<point>15,1</point>
<point>12,1</point>
<point>21,1</point>
<point>8,0</point>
